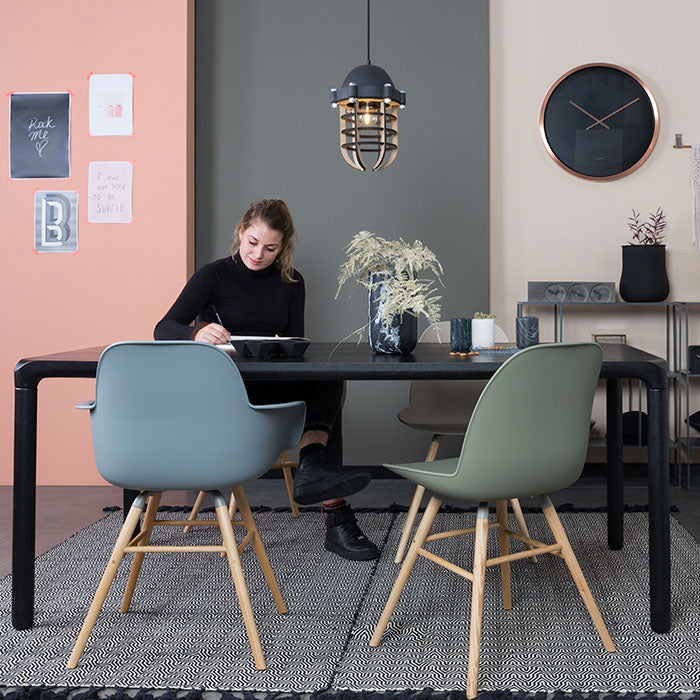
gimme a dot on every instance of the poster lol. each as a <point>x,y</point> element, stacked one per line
<point>109,192</point>
<point>39,134</point>
<point>56,222</point>
<point>111,104</point>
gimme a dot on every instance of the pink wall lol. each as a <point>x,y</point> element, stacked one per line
<point>123,277</point>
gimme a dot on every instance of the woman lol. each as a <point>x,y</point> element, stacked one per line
<point>256,291</point>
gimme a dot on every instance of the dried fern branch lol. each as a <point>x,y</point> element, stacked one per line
<point>403,291</point>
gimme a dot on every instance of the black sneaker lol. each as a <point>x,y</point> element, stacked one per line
<point>344,537</point>
<point>315,480</point>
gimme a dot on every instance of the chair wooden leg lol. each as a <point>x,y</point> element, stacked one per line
<point>125,536</point>
<point>522,525</point>
<point>415,504</point>
<point>502,516</point>
<point>418,541</point>
<point>289,483</point>
<point>259,547</point>
<point>241,588</point>
<point>195,509</point>
<point>480,544</point>
<point>570,558</point>
<point>148,520</point>
<point>408,523</point>
<point>232,507</point>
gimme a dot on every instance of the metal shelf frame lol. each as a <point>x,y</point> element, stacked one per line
<point>689,441</point>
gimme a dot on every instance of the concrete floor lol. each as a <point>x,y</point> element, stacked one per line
<point>63,510</point>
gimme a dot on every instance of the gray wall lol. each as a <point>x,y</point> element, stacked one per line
<point>265,128</point>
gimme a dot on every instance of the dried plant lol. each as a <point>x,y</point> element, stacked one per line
<point>481,314</point>
<point>403,291</point>
<point>650,232</point>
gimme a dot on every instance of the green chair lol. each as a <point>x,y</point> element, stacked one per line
<point>175,415</point>
<point>527,436</point>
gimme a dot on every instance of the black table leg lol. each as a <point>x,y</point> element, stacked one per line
<point>615,474</point>
<point>24,509</point>
<point>659,518</point>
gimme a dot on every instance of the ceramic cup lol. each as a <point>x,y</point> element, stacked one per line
<point>527,331</point>
<point>460,334</point>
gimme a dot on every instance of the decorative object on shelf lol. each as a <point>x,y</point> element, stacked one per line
<point>644,275</point>
<point>617,338</point>
<point>483,330</point>
<point>634,428</point>
<point>368,106</point>
<point>693,420</point>
<point>694,359</point>
<point>397,296</point>
<point>599,121</point>
<point>461,334</point>
<point>591,292</point>
<point>527,331</point>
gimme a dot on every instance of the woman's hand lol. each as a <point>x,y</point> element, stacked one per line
<point>212,333</point>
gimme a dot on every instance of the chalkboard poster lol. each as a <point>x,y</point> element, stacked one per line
<point>39,135</point>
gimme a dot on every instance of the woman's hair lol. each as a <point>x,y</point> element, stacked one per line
<point>273,213</point>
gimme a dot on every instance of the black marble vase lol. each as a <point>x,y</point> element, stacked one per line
<point>644,275</point>
<point>400,335</point>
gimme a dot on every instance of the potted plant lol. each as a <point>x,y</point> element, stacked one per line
<point>397,295</point>
<point>644,275</point>
<point>483,330</point>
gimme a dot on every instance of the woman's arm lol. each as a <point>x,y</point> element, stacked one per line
<point>194,298</point>
<point>295,319</point>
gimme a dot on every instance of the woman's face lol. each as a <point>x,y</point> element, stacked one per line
<point>259,246</point>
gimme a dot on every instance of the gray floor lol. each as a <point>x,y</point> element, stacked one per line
<point>63,510</point>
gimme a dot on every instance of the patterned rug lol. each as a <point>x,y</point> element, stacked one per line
<point>185,629</point>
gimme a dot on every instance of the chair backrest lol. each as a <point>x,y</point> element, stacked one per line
<point>175,415</point>
<point>440,333</point>
<point>452,400</point>
<point>529,430</point>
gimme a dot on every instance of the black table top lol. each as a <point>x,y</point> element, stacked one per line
<point>357,361</point>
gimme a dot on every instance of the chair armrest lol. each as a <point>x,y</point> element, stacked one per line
<point>289,418</point>
<point>86,404</point>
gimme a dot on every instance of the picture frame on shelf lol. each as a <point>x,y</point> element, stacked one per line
<point>619,338</point>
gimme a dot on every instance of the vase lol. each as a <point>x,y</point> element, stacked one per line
<point>397,337</point>
<point>644,275</point>
<point>483,332</point>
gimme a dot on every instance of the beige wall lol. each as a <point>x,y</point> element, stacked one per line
<point>548,224</point>
<point>123,277</point>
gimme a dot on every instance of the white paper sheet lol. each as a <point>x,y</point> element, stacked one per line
<point>111,104</point>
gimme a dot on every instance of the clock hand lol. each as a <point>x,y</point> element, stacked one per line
<point>636,99</point>
<point>588,114</point>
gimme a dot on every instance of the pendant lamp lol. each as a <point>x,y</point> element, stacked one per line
<point>368,106</point>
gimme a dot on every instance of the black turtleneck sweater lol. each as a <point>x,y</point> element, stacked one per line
<point>250,302</point>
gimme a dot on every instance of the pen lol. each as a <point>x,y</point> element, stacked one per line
<point>216,313</point>
<point>218,318</point>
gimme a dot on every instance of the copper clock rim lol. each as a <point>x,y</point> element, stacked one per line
<point>654,136</point>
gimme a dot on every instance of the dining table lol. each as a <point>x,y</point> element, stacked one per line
<point>355,362</point>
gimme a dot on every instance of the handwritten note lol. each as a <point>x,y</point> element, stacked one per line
<point>109,192</point>
<point>39,135</point>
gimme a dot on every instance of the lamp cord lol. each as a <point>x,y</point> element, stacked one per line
<point>368,61</point>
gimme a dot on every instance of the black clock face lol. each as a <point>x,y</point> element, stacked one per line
<point>599,122</point>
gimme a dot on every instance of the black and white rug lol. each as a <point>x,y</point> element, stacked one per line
<point>185,630</point>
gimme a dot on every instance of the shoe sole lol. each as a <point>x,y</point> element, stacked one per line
<point>352,556</point>
<point>343,488</point>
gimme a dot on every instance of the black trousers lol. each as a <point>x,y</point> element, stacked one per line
<point>324,401</point>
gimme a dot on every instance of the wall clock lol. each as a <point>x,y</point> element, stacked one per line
<point>599,121</point>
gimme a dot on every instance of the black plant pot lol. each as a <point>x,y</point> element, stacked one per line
<point>644,275</point>
<point>400,335</point>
